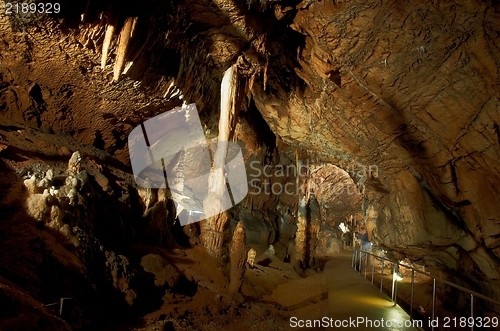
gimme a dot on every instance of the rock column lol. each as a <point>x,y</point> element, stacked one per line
<point>371,220</point>
<point>212,229</point>
<point>313,229</point>
<point>238,258</point>
<point>299,262</point>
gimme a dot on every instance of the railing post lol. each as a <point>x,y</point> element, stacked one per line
<point>472,310</point>
<point>396,291</point>
<point>395,277</point>
<point>366,262</point>
<point>382,276</point>
<point>358,254</point>
<point>358,261</point>
<point>352,258</point>
<point>392,289</point>
<point>373,270</point>
<point>433,300</point>
<point>412,290</point>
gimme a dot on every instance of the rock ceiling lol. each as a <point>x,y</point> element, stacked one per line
<point>411,88</point>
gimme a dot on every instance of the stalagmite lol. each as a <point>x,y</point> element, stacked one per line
<point>74,163</point>
<point>30,184</point>
<point>46,182</point>
<point>110,31</point>
<point>178,182</point>
<point>313,229</point>
<point>212,229</point>
<point>238,258</point>
<point>125,35</point>
<point>371,220</point>
<point>299,259</point>
<point>251,258</point>
<point>178,171</point>
<point>147,195</point>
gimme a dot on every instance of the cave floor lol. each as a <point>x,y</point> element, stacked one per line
<point>351,296</point>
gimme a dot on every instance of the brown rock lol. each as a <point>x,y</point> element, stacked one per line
<point>121,275</point>
<point>238,259</point>
<point>3,148</point>
<point>165,274</point>
<point>101,180</point>
<point>74,163</point>
<point>64,151</point>
<point>38,207</point>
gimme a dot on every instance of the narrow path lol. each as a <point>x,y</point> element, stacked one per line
<point>353,299</point>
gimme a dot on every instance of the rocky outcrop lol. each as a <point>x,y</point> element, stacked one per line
<point>408,89</point>
<point>329,242</point>
<point>393,96</point>
<point>313,229</point>
<point>122,275</point>
<point>77,235</point>
<point>165,274</point>
<point>55,204</point>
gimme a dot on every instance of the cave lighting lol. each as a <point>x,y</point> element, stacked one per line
<point>398,276</point>
<point>343,228</point>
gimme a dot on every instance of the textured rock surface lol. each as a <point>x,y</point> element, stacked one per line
<point>122,275</point>
<point>238,258</point>
<point>165,274</point>
<point>329,243</point>
<point>300,254</point>
<point>411,89</point>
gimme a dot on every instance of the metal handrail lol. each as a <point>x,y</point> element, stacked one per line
<point>394,283</point>
<point>60,303</point>
<point>476,294</point>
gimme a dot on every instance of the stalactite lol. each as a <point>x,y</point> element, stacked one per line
<point>250,82</point>
<point>134,24</point>
<point>139,51</point>
<point>82,16</point>
<point>125,34</point>
<point>308,186</point>
<point>74,163</point>
<point>213,227</point>
<point>238,258</point>
<point>265,73</point>
<point>297,168</point>
<point>110,31</point>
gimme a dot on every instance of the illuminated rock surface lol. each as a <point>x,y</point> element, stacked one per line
<point>403,97</point>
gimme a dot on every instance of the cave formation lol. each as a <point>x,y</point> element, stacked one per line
<point>383,114</point>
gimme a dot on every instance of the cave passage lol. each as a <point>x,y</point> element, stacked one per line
<point>249,165</point>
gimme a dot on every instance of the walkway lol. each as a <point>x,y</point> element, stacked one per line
<point>352,298</point>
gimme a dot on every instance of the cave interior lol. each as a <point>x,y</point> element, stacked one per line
<point>277,138</point>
